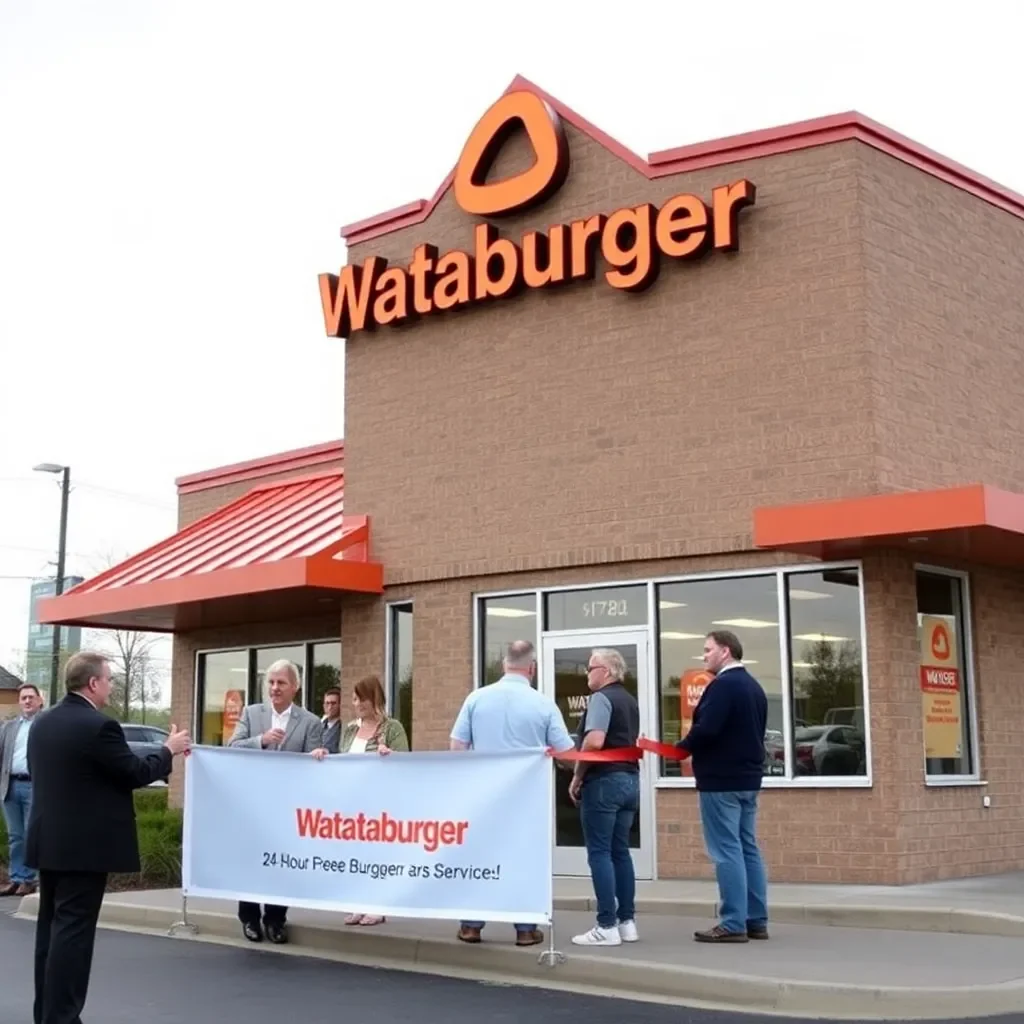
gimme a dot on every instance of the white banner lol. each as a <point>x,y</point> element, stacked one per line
<point>448,835</point>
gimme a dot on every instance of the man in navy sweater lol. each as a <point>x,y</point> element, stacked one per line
<point>726,742</point>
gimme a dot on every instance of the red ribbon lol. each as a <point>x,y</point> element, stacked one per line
<point>636,753</point>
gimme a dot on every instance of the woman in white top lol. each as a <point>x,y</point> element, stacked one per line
<point>372,732</point>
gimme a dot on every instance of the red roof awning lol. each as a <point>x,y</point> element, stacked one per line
<point>976,523</point>
<point>282,550</point>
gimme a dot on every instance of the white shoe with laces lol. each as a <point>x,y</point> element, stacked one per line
<point>598,936</point>
<point>628,932</point>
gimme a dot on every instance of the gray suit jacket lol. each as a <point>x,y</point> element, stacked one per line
<point>8,736</point>
<point>304,733</point>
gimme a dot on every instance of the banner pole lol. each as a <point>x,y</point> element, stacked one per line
<point>184,925</point>
<point>551,956</point>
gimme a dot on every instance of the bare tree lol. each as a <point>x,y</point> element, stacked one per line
<point>131,668</point>
<point>146,685</point>
<point>133,665</point>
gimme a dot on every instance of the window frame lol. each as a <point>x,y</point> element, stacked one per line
<point>390,695</point>
<point>780,572</point>
<point>199,681</point>
<point>966,638</point>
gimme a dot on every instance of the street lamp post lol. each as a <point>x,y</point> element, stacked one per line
<point>65,487</point>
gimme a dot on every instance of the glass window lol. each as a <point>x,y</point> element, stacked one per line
<point>400,667</point>
<point>827,704</point>
<point>326,662</point>
<point>687,612</point>
<point>266,656</point>
<point>502,621</point>
<point>947,697</point>
<point>223,685</point>
<point>602,608</point>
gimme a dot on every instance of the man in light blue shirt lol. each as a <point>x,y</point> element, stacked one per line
<point>16,788</point>
<point>510,715</point>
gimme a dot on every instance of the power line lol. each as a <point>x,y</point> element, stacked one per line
<point>38,551</point>
<point>141,499</point>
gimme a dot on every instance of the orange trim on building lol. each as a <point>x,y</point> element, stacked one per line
<point>280,536</point>
<point>253,469</point>
<point>974,522</point>
<point>819,131</point>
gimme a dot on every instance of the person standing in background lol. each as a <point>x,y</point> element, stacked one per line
<point>510,715</point>
<point>726,742</point>
<point>331,721</point>
<point>82,827</point>
<point>16,789</point>
<point>608,794</point>
<point>372,732</point>
<point>278,724</point>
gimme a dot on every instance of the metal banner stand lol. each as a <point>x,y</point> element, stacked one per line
<point>551,957</point>
<point>184,925</point>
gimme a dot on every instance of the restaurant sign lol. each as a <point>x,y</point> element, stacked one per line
<point>632,240</point>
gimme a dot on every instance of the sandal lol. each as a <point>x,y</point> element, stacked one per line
<point>373,920</point>
<point>354,919</point>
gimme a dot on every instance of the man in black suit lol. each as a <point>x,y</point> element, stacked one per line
<point>81,828</point>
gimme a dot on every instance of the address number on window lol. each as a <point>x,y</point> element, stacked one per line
<point>605,609</point>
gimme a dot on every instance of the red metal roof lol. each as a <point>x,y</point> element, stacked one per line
<point>281,550</point>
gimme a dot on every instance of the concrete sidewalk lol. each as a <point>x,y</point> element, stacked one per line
<point>938,951</point>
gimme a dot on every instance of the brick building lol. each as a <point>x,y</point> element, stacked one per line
<point>802,422</point>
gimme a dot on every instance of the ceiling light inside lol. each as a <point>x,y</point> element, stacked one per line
<point>807,595</point>
<point>745,623</point>
<point>510,613</point>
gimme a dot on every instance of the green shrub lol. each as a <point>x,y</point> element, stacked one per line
<point>159,830</point>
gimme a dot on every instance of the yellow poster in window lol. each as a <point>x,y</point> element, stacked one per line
<point>940,687</point>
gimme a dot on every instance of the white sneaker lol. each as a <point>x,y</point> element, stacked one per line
<point>598,936</point>
<point>628,932</point>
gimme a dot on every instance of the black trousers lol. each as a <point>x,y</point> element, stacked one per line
<point>69,907</point>
<point>249,913</point>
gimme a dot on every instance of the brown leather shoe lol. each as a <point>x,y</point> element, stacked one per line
<point>757,933</point>
<point>469,935</point>
<point>25,889</point>
<point>719,934</point>
<point>9,890</point>
<point>530,938</point>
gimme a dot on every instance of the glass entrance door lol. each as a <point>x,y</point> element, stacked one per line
<point>564,677</point>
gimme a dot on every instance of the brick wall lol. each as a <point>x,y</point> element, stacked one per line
<point>585,425</point>
<point>945,319</point>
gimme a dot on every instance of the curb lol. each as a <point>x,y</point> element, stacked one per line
<point>950,920</point>
<point>627,979</point>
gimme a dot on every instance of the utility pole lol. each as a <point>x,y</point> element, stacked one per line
<point>65,489</point>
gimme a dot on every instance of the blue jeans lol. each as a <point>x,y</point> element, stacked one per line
<point>608,805</point>
<point>17,808</point>
<point>729,821</point>
<point>480,925</point>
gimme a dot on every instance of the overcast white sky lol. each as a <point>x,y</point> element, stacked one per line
<point>175,173</point>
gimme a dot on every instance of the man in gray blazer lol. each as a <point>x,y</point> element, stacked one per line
<point>278,724</point>
<point>16,789</point>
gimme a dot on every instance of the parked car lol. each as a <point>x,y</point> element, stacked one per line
<point>829,750</point>
<point>146,739</point>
